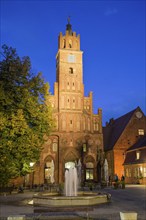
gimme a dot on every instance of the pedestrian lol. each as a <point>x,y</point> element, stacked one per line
<point>122,178</point>
<point>116,178</point>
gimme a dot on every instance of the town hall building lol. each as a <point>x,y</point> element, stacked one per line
<point>77,140</point>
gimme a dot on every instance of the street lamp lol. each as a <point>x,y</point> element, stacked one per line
<point>32,179</point>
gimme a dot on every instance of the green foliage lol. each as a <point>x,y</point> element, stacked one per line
<point>25,115</point>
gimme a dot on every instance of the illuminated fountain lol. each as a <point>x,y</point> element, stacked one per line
<point>70,197</point>
<point>71,182</point>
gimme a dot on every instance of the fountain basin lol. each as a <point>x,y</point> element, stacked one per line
<point>47,200</point>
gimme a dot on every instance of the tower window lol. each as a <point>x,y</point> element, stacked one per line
<point>71,70</point>
<point>64,43</point>
<point>70,44</point>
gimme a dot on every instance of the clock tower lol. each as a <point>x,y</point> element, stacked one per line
<point>69,72</point>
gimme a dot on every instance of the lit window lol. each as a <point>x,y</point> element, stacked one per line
<point>84,148</point>
<point>137,155</point>
<point>89,171</point>
<point>144,172</point>
<point>141,131</point>
<point>89,174</point>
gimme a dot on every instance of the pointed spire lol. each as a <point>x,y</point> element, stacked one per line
<point>68,26</point>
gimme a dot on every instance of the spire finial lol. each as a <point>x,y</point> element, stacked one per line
<point>68,26</point>
<point>68,19</point>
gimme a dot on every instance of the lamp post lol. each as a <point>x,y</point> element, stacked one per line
<point>32,176</point>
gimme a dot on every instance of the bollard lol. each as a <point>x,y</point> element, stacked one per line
<point>16,217</point>
<point>128,215</point>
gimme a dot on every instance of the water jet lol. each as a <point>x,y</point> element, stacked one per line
<point>70,197</point>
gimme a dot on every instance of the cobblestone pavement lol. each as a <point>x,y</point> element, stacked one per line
<point>130,199</point>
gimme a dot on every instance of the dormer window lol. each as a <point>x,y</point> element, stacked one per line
<point>140,131</point>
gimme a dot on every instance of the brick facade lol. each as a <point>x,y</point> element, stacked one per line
<point>77,127</point>
<point>122,134</point>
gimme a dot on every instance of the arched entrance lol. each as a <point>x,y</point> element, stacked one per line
<point>70,161</point>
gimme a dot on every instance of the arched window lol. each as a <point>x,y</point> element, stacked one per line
<point>95,125</point>
<point>70,44</point>
<point>64,43</point>
<point>89,171</point>
<point>71,70</point>
<point>49,171</point>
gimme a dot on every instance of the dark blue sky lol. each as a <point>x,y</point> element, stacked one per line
<point>112,39</point>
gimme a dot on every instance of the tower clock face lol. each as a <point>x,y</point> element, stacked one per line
<point>71,58</point>
<point>138,114</point>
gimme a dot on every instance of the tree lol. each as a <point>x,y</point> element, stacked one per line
<point>25,115</point>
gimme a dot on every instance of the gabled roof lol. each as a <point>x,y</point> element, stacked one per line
<point>114,129</point>
<point>139,146</point>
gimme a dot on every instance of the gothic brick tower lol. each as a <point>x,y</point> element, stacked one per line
<point>78,135</point>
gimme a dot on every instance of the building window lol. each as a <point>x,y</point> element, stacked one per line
<point>70,44</point>
<point>137,155</point>
<point>89,174</point>
<point>89,171</point>
<point>96,127</point>
<point>68,86</point>
<point>55,147</point>
<point>71,70</point>
<point>128,172</point>
<point>141,131</point>
<point>144,172</point>
<point>84,148</point>
<point>64,43</point>
<point>49,171</point>
<point>71,125</point>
